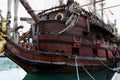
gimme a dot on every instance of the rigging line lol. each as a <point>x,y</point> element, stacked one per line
<point>105,64</point>
<point>90,10</point>
<point>88,72</point>
<point>109,7</point>
<point>77,71</point>
<point>107,17</point>
<point>76,66</point>
<point>116,70</point>
<point>92,3</point>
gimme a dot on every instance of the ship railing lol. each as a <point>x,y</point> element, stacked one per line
<point>52,9</point>
<point>110,27</point>
<point>98,21</point>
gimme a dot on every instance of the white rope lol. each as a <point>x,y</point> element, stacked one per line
<point>70,23</point>
<point>115,69</point>
<point>88,73</point>
<point>105,64</point>
<point>76,66</point>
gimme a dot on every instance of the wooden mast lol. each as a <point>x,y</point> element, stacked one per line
<point>15,32</point>
<point>30,11</point>
<point>94,6</point>
<point>102,4</point>
<point>8,17</point>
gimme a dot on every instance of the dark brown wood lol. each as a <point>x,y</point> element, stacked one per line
<point>27,60</point>
<point>51,52</point>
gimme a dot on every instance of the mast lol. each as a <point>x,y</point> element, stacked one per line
<point>102,4</point>
<point>9,9</point>
<point>94,6</point>
<point>15,33</point>
<point>30,11</point>
<point>8,17</point>
<point>115,29</point>
<point>102,9</point>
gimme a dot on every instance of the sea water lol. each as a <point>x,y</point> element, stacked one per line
<point>101,75</point>
<point>11,71</point>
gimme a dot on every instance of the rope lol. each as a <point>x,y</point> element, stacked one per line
<point>88,72</point>
<point>76,10</point>
<point>83,68</point>
<point>70,23</point>
<point>76,66</point>
<point>115,69</point>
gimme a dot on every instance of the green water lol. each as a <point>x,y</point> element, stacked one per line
<point>14,72</point>
<point>98,75</point>
<point>6,64</point>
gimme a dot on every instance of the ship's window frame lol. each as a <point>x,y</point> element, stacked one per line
<point>59,16</point>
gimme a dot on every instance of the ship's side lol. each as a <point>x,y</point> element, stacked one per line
<point>63,39</point>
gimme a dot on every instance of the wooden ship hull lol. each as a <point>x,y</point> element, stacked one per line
<point>33,61</point>
<point>60,44</point>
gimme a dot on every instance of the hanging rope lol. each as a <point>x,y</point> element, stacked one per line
<point>76,66</point>
<point>76,10</point>
<point>77,71</point>
<point>88,73</point>
<point>69,23</point>
<point>113,69</point>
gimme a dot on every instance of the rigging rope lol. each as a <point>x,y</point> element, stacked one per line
<point>115,69</point>
<point>76,66</point>
<point>108,19</point>
<point>88,72</point>
<point>70,23</point>
<point>77,71</point>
